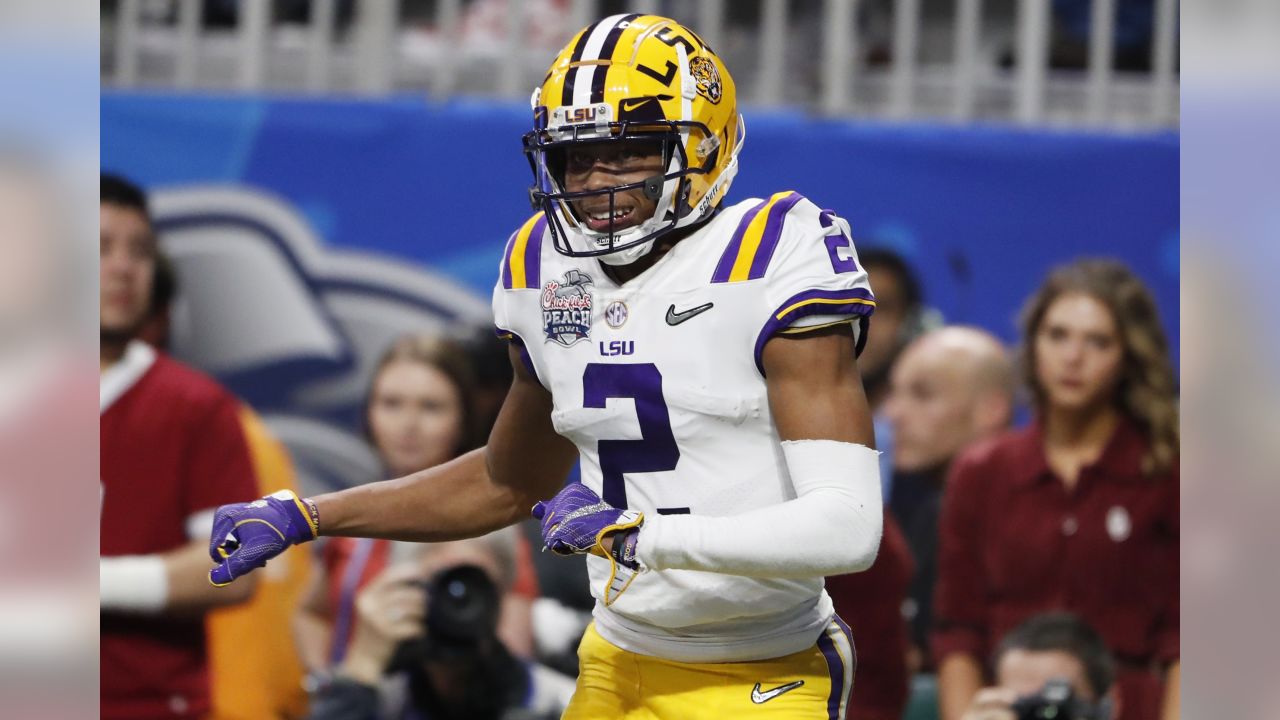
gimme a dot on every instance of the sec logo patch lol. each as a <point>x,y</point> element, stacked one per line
<point>615,314</point>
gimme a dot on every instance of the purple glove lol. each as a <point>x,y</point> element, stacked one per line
<point>576,520</point>
<point>246,535</point>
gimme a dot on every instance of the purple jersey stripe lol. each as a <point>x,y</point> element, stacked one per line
<point>525,358</point>
<point>506,260</point>
<point>850,301</point>
<point>835,668</point>
<point>731,253</point>
<point>533,255</point>
<point>772,232</point>
<point>528,363</point>
<point>853,650</point>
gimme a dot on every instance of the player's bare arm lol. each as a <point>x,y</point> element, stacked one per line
<point>479,492</point>
<point>815,391</point>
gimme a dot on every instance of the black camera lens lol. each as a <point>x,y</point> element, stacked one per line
<point>462,611</point>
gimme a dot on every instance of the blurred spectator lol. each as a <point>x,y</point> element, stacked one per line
<point>1049,648</point>
<point>948,389</point>
<point>425,643</point>
<point>172,446</point>
<point>419,414</point>
<point>164,289</point>
<point>1079,511</point>
<point>871,602</point>
<point>491,367</point>
<point>562,601</point>
<point>901,316</point>
<point>255,672</point>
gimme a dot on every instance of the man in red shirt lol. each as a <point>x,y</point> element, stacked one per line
<point>172,450</point>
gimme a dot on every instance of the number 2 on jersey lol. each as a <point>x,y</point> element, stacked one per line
<point>656,449</point>
<point>839,246</point>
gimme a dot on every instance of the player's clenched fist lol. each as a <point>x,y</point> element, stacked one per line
<point>576,520</point>
<point>247,535</point>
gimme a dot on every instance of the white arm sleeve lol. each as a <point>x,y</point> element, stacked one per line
<point>832,527</point>
<point>133,583</point>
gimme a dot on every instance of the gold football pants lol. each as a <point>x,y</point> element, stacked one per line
<point>812,684</point>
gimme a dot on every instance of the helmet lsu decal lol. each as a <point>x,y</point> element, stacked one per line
<point>627,78</point>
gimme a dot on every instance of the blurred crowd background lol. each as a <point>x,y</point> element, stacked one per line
<point>331,184</point>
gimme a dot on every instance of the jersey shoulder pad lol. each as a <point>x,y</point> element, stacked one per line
<point>521,265</point>
<point>754,243</point>
<point>808,267</point>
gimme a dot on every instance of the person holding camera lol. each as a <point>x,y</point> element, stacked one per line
<point>425,644</point>
<point>419,412</point>
<point>1053,666</point>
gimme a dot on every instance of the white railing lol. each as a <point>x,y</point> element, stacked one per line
<point>938,68</point>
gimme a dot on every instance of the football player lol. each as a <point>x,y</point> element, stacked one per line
<point>698,359</point>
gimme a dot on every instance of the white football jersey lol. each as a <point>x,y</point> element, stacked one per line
<point>659,383</point>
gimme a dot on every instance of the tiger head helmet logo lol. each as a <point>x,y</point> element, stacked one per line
<point>708,78</point>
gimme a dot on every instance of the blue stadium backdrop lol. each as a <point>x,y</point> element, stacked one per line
<point>309,231</point>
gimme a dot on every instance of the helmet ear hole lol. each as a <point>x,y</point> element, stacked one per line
<point>653,187</point>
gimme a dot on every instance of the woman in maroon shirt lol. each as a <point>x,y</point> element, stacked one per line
<point>1079,511</point>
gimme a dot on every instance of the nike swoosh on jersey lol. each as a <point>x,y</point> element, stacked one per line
<point>675,318</point>
<point>759,698</point>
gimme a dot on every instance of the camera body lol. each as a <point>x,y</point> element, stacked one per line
<point>459,644</point>
<point>461,620</point>
<point>1057,701</point>
<point>462,612</point>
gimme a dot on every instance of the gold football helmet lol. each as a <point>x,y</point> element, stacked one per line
<point>630,77</point>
